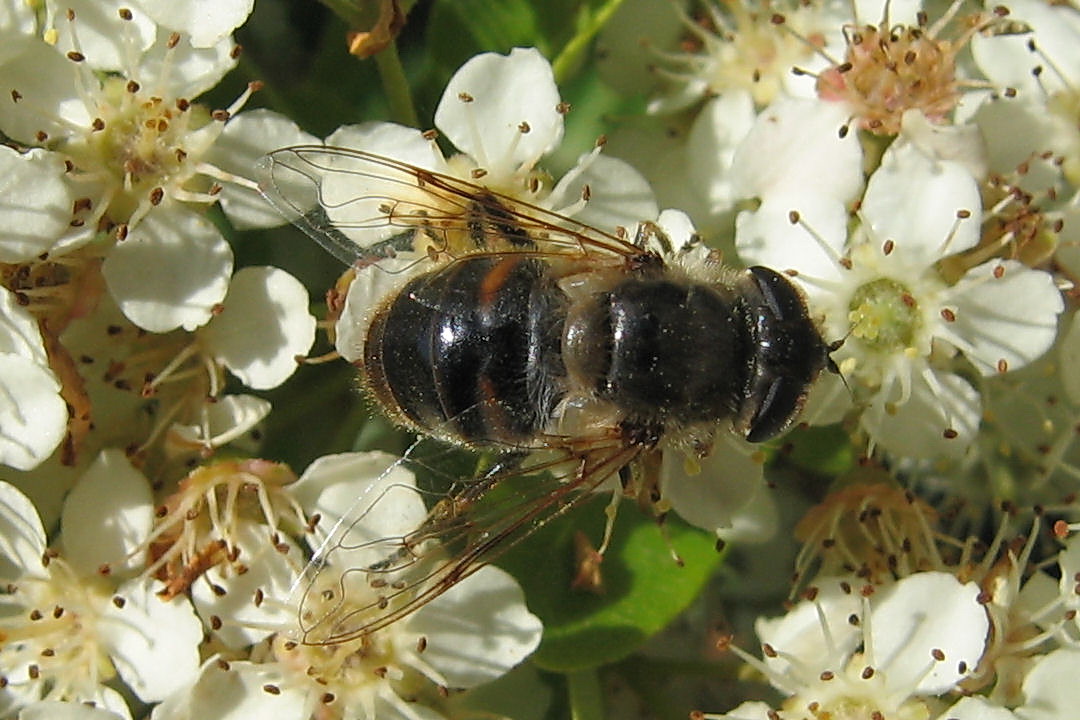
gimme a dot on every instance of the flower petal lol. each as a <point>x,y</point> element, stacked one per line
<point>506,93</point>
<point>619,195</point>
<point>1050,688</point>
<point>373,492</point>
<point>103,39</point>
<point>33,416</point>
<point>263,327</point>
<point>22,538</point>
<point>243,621</point>
<point>47,102</point>
<point>719,129</point>
<point>107,515</point>
<point>37,203</point>
<point>921,614</point>
<point>246,138</point>
<point>479,629</point>
<point>227,419</point>
<point>19,331</point>
<point>914,200</point>
<point>796,148</point>
<point>153,643</point>
<point>184,71</point>
<point>977,708</point>
<point>170,271</point>
<point>938,402</point>
<point>53,710</point>
<point>206,21</point>
<point>993,327</point>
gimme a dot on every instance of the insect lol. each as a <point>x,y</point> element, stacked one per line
<point>571,353</point>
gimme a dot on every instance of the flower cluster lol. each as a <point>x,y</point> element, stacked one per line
<point>913,169</point>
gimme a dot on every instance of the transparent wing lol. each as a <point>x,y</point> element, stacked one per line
<point>358,583</point>
<point>364,207</point>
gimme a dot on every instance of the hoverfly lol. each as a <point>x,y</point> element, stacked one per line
<point>572,353</point>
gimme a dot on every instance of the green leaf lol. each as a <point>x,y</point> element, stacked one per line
<point>643,587</point>
<point>458,29</point>
<point>825,450</point>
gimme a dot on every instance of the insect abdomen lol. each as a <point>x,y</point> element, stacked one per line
<point>471,351</point>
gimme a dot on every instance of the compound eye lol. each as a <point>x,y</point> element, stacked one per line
<point>780,403</point>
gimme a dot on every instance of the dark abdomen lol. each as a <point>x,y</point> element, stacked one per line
<point>471,351</point>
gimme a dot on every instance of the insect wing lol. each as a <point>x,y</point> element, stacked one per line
<point>360,582</point>
<point>363,207</point>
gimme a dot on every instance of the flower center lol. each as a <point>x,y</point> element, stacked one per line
<point>888,71</point>
<point>885,316</point>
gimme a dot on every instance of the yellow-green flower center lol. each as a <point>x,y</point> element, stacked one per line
<point>885,316</point>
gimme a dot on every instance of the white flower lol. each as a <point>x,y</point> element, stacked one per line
<point>472,633</point>
<point>33,415</point>
<point>1039,73</point>
<point>856,652</point>
<point>146,157</point>
<point>75,624</point>
<point>885,290</point>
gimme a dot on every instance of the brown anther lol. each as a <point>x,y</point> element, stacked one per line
<point>768,650</point>
<point>41,136</point>
<point>327,698</point>
<point>75,56</point>
<point>156,196</point>
<point>523,127</point>
<point>431,134</point>
<point>271,689</point>
<point>562,108</point>
<point>777,19</point>
<point>132,87</point>
<point>236,51</point>
<point>867,673</point>
<point>948,315</point>
<point>173,41</point>
<point>478,173</point>
<point>215,622</point>
<point>937,654</point>
<point>793,217</point>
<point>97,125</point>
<point>465,97</point>
<point>950,434</point>
<point>1002,365</point>
<point>182,104</point>
<point>826,675</point>
<point>119,602</point>
<point>256,85</point>
<point>125,14</point>
<point>963,214</point>
<point>888,246</point>
<point>220,115</point>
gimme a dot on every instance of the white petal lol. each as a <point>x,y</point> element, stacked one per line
<point>107,515</point>
<point>53,710</point>
<point>811,248</point>
<point>1008,61</point>
<point>976,708</point>
<point>22,538</point>
<point>1050,688</point>
<point>17,26</point>
<point>962,144</point>
<point>993,326</point>
<point>750,710</point>
<point>37,203</point>
<point>479,629</point>
<point>710,492</point>
<point>916,429</point>
<point>795,148</point>
<point>227,419</point>
<point>236,693</point>
<point>1015,130</point>
<point>1069,562</point>
<point>721,125</point>
<point>372,495</point>
<point>107,41</point>
<point>922,613</point>
<point>246,138</point>
<point>507,91</point>
<point>619,195</point>
<point>400,142</point>
<point>206,21</point>
<point>799,633</point>
<point>913,200</point>
<point>170,271</point>
<point>264,326</point>
<point>153,643</point>
<point>33,416</point>
<point>367,290</point>
<point>45,81</point>
<point>244,623</point>
<point>875,12</point>
<point>678,227</point>
<point>184,71</point>
<point>19,332</point>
